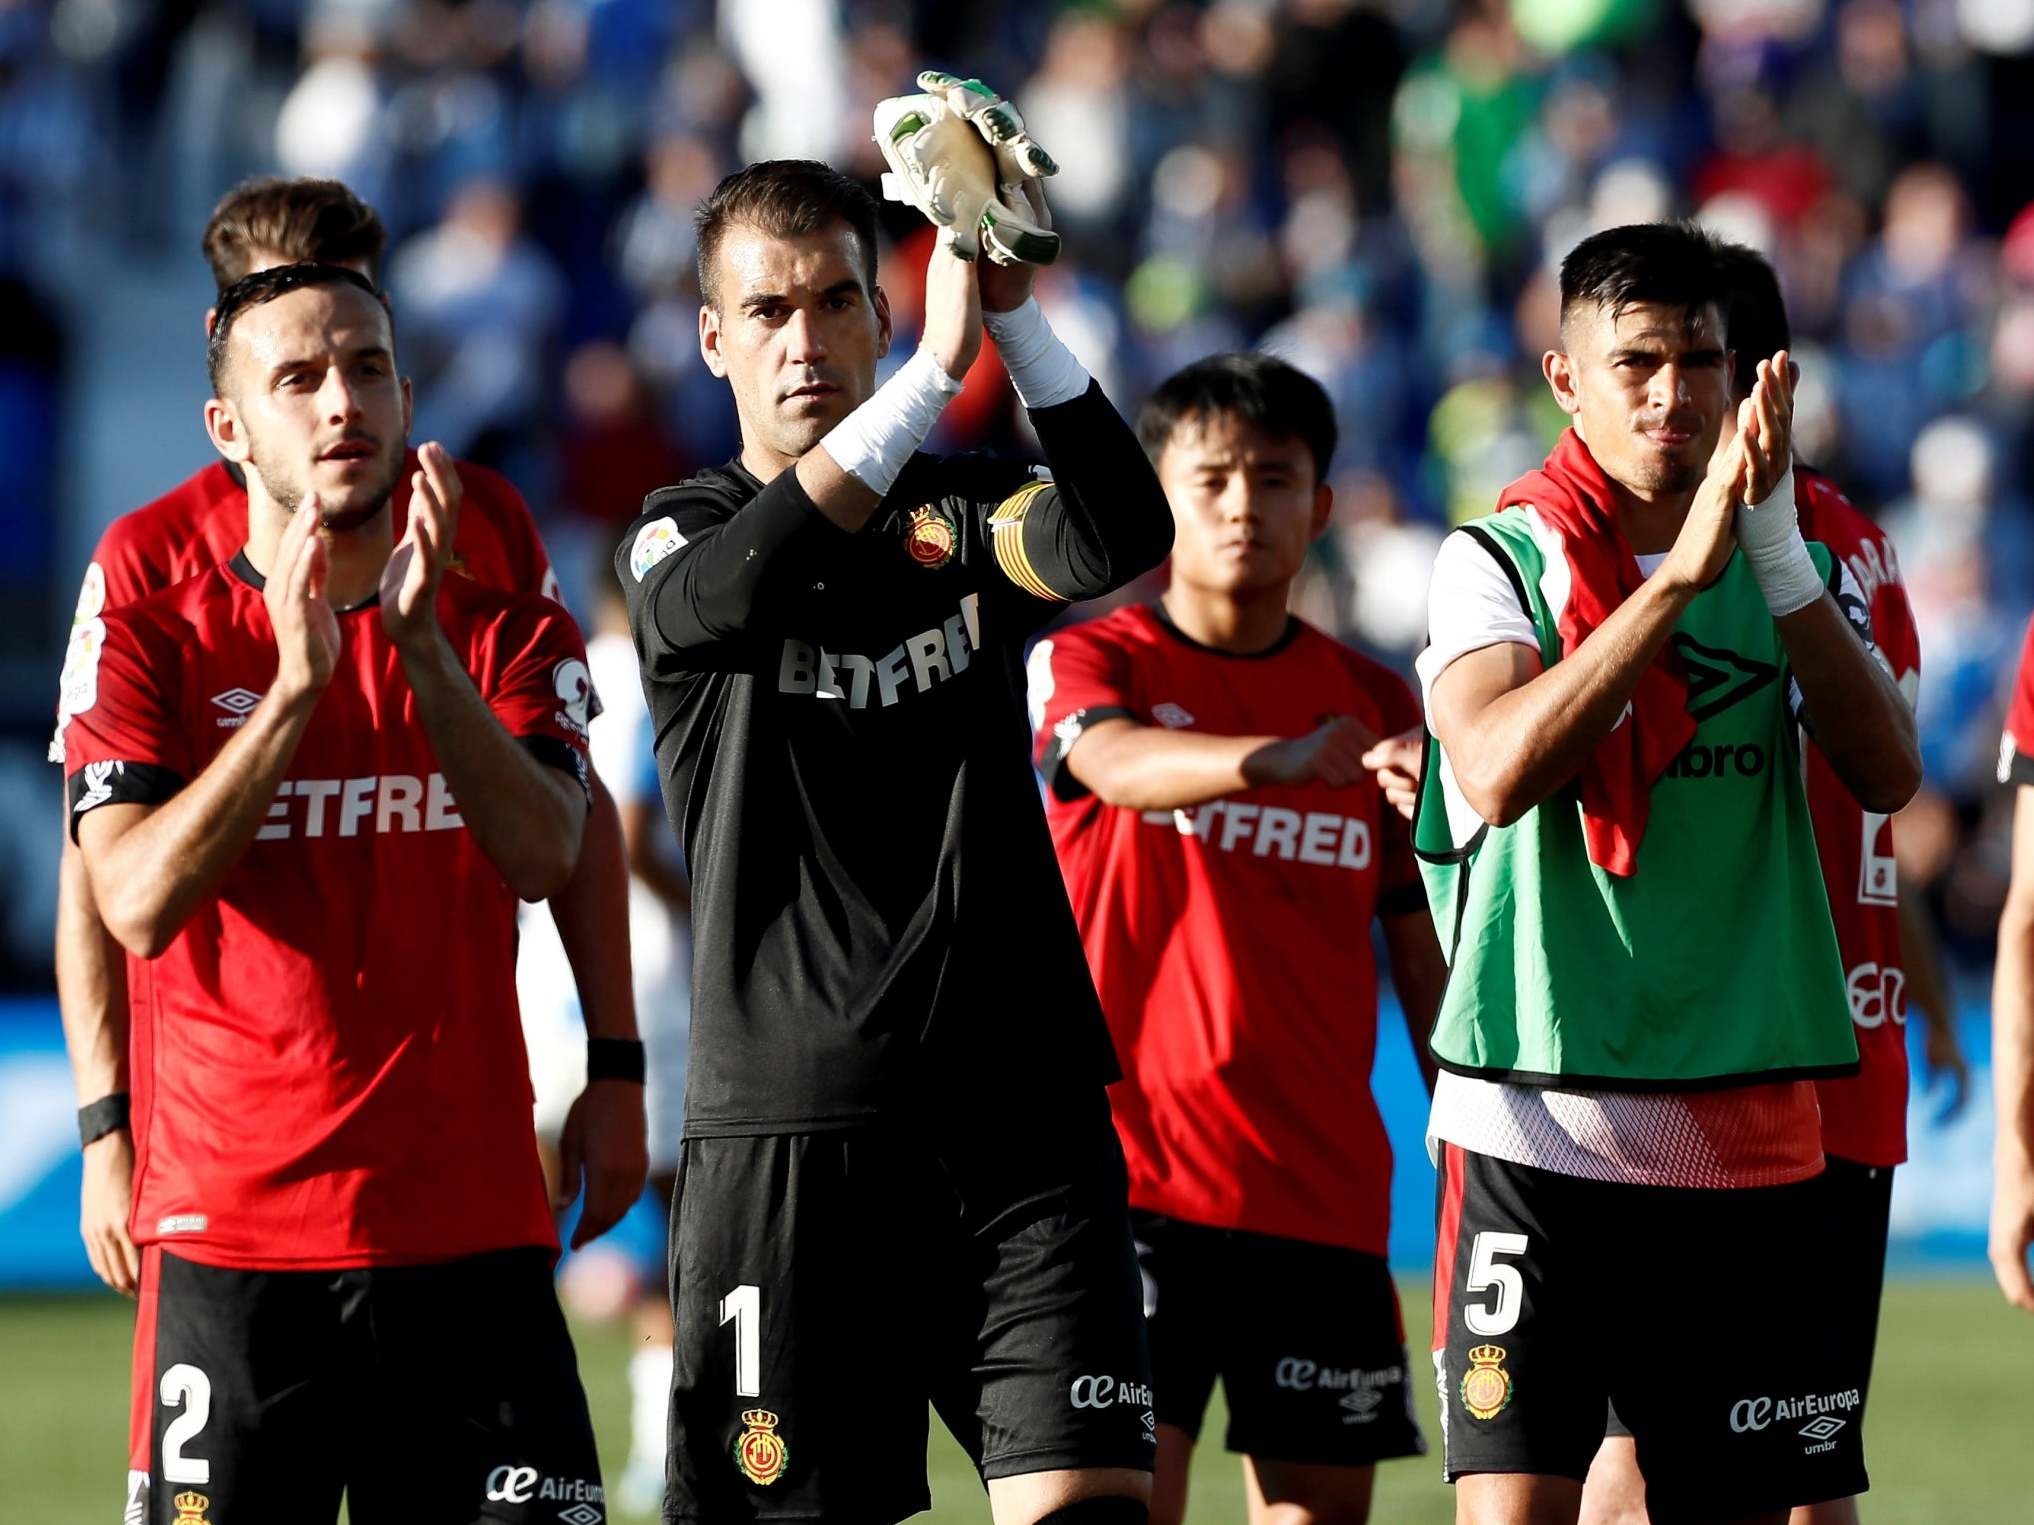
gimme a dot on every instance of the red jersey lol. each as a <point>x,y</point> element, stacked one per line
<point>328,1065</point>
<point>1230,943</point>
<point>2016,747</point>
<point>1864,1116</point>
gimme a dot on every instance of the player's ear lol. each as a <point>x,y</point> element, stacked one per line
<point>224,429</point>
<point>880,299</point>
<point>1559,370</point>
<point>1324,508</point>
<point>211,320</point>
<point>709,340</point>
<point>409,408</point>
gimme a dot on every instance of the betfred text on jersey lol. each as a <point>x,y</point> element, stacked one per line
<point>351,807</point>
<point>1272,831</point>
<point>912,666</point>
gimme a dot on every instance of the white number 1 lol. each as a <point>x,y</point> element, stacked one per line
<point>745,1306</point>
<point>1494,1318</point>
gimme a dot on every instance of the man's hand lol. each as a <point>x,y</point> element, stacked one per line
<point>1942,1060</point>
<point>103,1210</point>
<point>409,584</point>
<point>1397,762</point>
<point>2013,1230</point>
<point>1007,287</point>
<point>1769,431</point>
<point>1019,159</point>
<point>953,310</point>
<point>306,629</point>
<point>605,1139</point>
<point>960,154</point>
<point>1332,753</point>
<point>1708,535</point>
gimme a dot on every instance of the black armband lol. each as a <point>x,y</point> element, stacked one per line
<point>553,753</point>
<point>614,1059</point>
<point>106,1115</point>
<point>1064,786</point>
<point>115,782</point>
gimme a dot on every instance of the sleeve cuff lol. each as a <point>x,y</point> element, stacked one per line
<point>2015,766</point>
<point>117,782</point>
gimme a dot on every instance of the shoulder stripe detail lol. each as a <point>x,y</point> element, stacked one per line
<point>1483,538</point>
<point>1006,536</point>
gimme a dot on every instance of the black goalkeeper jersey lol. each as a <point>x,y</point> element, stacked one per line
<point>879,923</point>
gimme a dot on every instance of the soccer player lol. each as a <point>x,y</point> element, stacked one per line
<point>899,1177</point>
<point>1864,1117</point>
<point>202,523</point>
<point>1644,979</point>
<point>1225,851</point>
<point>309,787</point>
<point>2012,1232</point>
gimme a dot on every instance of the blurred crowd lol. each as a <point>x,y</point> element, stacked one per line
<point>1379,190</point>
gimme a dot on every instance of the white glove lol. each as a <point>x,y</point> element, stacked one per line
<point>960,154</point>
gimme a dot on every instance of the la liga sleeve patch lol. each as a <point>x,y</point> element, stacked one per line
<point>78,687</point>
<point>654,541</point>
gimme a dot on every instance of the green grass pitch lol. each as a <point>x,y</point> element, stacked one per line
<point>1950,1434</point>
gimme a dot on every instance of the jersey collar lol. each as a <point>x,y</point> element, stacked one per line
<point>245,570</point>
<point>1293,627</point>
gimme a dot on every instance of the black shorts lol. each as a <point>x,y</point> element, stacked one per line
<point>1699,1313</point>
<point>1855,1203</point>
<point>445,1392</point>
<point>825,1286</point>
<point>1306,1338</point>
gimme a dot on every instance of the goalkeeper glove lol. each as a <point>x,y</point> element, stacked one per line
<point>960,154</point>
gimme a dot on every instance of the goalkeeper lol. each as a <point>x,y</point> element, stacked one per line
<point>899,1180</point>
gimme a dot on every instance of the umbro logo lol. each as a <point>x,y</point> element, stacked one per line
<point>1719,679</point>
<point>238,703</point>
<point>1361,1404</point>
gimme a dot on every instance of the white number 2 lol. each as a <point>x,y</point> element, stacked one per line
<point>1484,1271</point>
<point>189,1389</point>
<point>745,1306</point>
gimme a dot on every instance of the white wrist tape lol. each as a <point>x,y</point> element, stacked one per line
<point>1042,369</point>
<point>1770,535</point>
<point>872,443</point>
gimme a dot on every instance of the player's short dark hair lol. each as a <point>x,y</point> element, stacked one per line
<point>1260,390</point>
<point>265,286</point>
<point>1756,324</point>
<point>784,198</point>
<point>304,221</point>
<point>1670,263</point>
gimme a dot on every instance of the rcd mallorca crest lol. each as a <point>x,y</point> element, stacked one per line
<point>1486,1386</point>
<point>759,1450</point>
<point>929,538</point>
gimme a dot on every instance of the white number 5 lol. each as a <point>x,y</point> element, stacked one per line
<point>1484,1271</point>
<point>185,1387</point>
